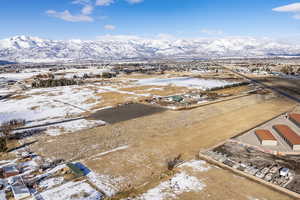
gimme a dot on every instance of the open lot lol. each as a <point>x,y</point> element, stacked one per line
<point>130,154</point>
<point>125,112</point>
<point>45,106</point>
<point>153,139</point>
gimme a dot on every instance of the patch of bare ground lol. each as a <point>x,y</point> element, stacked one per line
<point>19,97</point>
<point>38,93</point>
<point>113,99</point>
<point>222,184</point>
<point>223,75</point>
<point>156,90</point>
<point>154,139</point>
<point>90,101</point>
<point>234,90</point>
<point>138,76</point>
<point>34,107</point>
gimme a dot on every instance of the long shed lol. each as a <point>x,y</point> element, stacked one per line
<point>265,137</point>
<point>295,118</point>
<point>290,136</point>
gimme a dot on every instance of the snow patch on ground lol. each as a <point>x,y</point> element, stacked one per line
<point>106,184</point>
<point>108,152</point>
<point>196,165</point>
<point>174,187</point>
<point>18,76</point>
<point>198,83</point>
<point>72,191</point>
<point>51,182</point>
<point>73,126</point>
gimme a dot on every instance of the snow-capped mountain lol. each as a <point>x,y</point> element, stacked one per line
<point>34,49</point>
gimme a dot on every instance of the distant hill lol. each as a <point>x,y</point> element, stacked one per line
<point>34,49</point>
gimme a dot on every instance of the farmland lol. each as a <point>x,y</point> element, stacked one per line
<point>125,141</point>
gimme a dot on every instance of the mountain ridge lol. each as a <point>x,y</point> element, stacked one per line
<point>35,49</point>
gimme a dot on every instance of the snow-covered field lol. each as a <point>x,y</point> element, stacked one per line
<point>48,105</point>
<point>204,84</point>
<point>72,191</point>
<point>40,105</point>
<point>105,183</point>
<point>17,76</point>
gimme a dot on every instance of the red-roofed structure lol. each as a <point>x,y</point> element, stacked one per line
<point>290,136</point>
<point>295,118</point>
<point>266,138</point>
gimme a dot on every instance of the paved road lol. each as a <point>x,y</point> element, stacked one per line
<point>294,98</point>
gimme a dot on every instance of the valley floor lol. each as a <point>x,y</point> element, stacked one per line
<point>152,140</point>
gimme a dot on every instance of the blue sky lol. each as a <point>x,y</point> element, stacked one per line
<point>87,19</point>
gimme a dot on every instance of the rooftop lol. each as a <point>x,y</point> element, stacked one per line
<point>288,133</point>
<point>295,117</point>
<point>265,135</point>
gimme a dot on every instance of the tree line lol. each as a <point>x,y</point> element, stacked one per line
<point>43,83</point>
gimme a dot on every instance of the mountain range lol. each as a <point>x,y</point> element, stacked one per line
<point>34,49</point>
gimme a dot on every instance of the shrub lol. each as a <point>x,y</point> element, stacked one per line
<point>171,164</point>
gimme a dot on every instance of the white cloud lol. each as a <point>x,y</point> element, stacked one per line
<point>82,2</point>
<point>211,32</point>
<point>67,16</point>
<point>292,8</point>
<point>134,1</point>
<point>104,2</point>
<point>83,16</point>
<point>87,10</point>
<point>109,27</point>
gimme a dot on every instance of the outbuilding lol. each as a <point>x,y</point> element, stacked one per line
<point>266,138</point>
<point>295,118</point>
<point>290,136</point>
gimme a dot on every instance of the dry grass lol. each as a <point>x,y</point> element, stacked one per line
<point>156,90</point>
<point>113,99</point>
<point>34,107</point>
<point>234,90</point>
<point>153,139</point>
<point>90,101</point>
<point>19,97</point>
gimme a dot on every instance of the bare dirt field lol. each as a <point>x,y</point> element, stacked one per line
<point>125,112</point>
<point>154,139</point>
